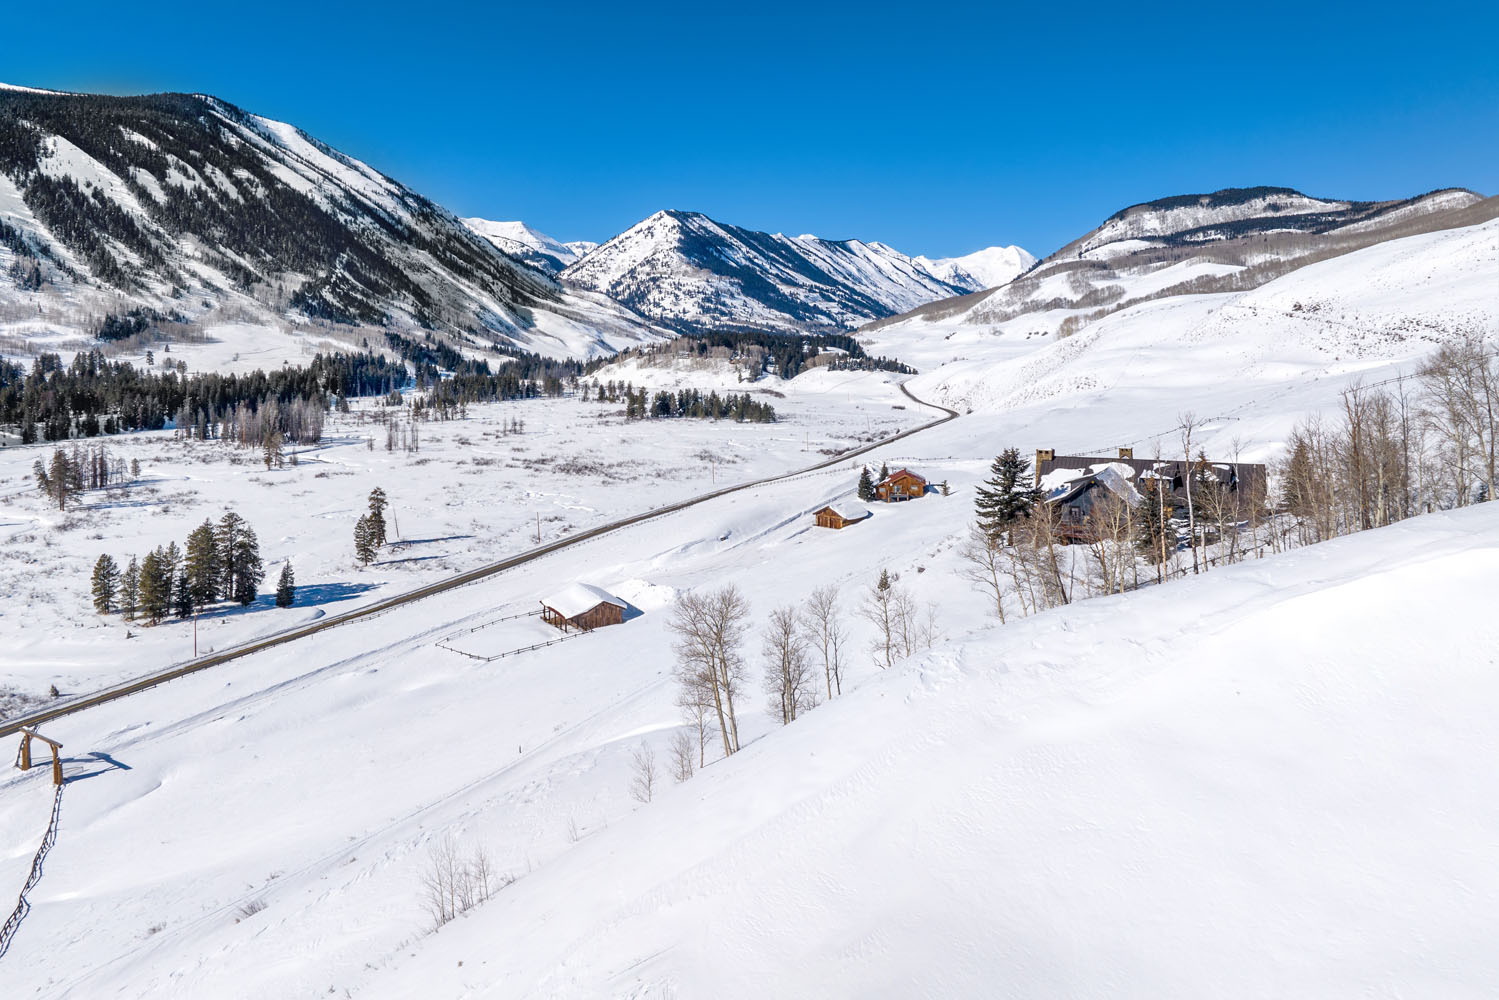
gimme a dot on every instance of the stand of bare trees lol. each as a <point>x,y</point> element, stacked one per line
<point>789,677</point>
<point>1426,443</point>
<point>453,883</point>
<point>822,626</point>
<point>710,630</point>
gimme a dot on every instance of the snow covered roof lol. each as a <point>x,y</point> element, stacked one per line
<point>848,510</point>
<point>904,472</point>
<point>578,598</point>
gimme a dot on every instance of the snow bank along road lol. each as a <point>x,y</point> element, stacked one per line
<point>11,726</point>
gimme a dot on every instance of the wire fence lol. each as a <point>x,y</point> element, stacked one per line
<point>23,907</point>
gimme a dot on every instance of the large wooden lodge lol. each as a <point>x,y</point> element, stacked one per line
<point>1078,482</point>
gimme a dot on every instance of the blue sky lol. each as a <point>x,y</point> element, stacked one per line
<point>938,129</point>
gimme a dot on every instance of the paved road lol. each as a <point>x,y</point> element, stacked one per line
<point>121,690</point>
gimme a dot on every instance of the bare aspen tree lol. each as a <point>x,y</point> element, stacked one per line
<point>440,881</point>
<point>1109,523</point>
<point>906,616</point>
<point>928,631</point>
<point>822,626</point>
<point>1038,539</point>
<point>789,678</point>
<point>452,883</point>
<point>696,703</point>
<point>643,773</point>
<point>683,747</point>
<point>984,564</point>
<point>710,629</point>
<point>878,609</point>
<point>1188,424</point>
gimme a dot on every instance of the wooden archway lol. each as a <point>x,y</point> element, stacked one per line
<point>23,760</point>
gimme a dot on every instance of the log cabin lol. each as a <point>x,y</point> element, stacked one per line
<point>841,515</point>
<point>902,484</point>
<point>582,606</point>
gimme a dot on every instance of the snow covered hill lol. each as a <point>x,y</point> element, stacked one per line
<point>1239,213</point>
<point>182,204</point>
<point>687,271</point>
<point>1233,319</point>
<point>1257,361</point>
<point>1143,795</point>
<point>987,268</point>
<point>531,245</point>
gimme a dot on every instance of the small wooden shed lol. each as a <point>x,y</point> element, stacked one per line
<point>582,606</point>
<point>902,484</point>
<point>841,515</point>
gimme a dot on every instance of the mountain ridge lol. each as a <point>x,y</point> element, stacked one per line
<point>694,273</point>
<point>170,201</point>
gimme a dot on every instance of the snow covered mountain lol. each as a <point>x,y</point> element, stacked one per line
<point>181,203</point>
<point>1196,244</point>
<point>1242,213</point>
<point>987,268</point>
<point>689,272</point>
<point>531,245</point>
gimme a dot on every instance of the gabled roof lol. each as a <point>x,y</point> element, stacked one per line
<point>574,600</point>
<point>847,510</point>
<point>903,472</point>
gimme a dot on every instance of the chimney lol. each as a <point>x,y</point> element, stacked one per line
<point>1043,455</point>
<point>1126,453</point>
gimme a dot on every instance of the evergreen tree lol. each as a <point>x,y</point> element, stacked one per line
<point>364,546</point>
<point>1006,495</point>
<point>171,557</point>
<point>182,596</point>
<point>203,568</point>
<point>248,571</point>
<point>130,590</point>
<point>377,517</point>
<point>866,485</point>
<point>286,587</point>
<point>226,541</point>
<point>106,580</point>
<point>884,473</point>
<point>1154,534</point>
<point>155,587</point>
<point>61,478</point>
<point>273,450</point>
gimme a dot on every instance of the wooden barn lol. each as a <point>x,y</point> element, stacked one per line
<point>582,606</point>
<point>841,515</point>
<point>902,484</point>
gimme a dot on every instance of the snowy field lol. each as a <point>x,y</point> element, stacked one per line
<point>476,492</point>
<point>1144,795</point>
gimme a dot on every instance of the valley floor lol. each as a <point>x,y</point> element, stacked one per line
<point>476,491</point>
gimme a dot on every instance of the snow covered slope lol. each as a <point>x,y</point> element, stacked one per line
<point>1227,314</point>
<point>987,268</point>
<point>181,203</point>
<point>530,245</point>
<point>1259,358</point>
<point>1260,782</point>
<point>1237,213</point>
<point>687,271</point>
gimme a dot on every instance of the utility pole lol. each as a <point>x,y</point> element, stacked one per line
<point>538,527</point>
